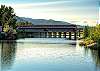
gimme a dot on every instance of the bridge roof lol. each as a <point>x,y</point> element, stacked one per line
<point>48,26</point>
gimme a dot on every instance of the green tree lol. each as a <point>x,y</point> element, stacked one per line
<point>95,33</point>
<point>7,16</point>
<point>24,24</point>
<point>86,32</point>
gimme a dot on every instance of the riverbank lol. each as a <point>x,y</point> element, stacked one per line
<point>88,43</point>
<point>8,35</point>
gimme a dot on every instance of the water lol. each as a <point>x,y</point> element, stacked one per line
<point>47,55</point>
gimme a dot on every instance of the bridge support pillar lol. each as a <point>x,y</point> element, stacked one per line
<point>45,34</point>
<point>70,35</point>
<point>40,35</point>
<point>79,33</point>
<point>59,33</point>
<point>75,35</point>
<point>64,34</point>
<point>54,34</point>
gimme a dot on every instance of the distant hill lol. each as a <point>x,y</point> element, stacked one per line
<point>42,21</point>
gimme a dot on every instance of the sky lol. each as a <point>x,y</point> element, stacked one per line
<point>82,12</point>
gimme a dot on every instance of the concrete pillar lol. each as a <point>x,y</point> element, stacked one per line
<point>40,35</point>
<point>45,34</point>
<point>70,35</point>
<point>75,35</point>
<point>64,34</point>
<point>32,35</point>
<point>79,33</point>
<point>59,33</point>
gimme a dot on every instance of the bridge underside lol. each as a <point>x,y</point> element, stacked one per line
<point>68,35</point>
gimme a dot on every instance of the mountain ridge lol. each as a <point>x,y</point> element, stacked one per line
<point>41,21</point>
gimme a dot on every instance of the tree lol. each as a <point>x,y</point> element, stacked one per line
<point>86,31</point>
<point>7,16</point>
<point>95,33</point>
<point>24,24</point>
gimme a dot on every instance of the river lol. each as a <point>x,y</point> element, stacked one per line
<point>47,54</point>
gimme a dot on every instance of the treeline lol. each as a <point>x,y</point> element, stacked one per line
<point>23,24</point>
<point>93,34</point>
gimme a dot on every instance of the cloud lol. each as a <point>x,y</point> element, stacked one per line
<point>65,4</point>
<point>30,5</point>
<point>65,10</point>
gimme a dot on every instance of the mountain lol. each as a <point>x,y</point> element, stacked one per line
<point>41,21</point>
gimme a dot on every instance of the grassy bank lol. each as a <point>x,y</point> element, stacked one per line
<point>91,38</point>
<point>88,43</point>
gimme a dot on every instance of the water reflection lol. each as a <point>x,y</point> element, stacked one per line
<point>95,54</point>
<point>47,57</point>
<point>96,57</point>
<point>8,51</point>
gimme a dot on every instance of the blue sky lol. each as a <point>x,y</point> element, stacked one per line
<point>74,11</point>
